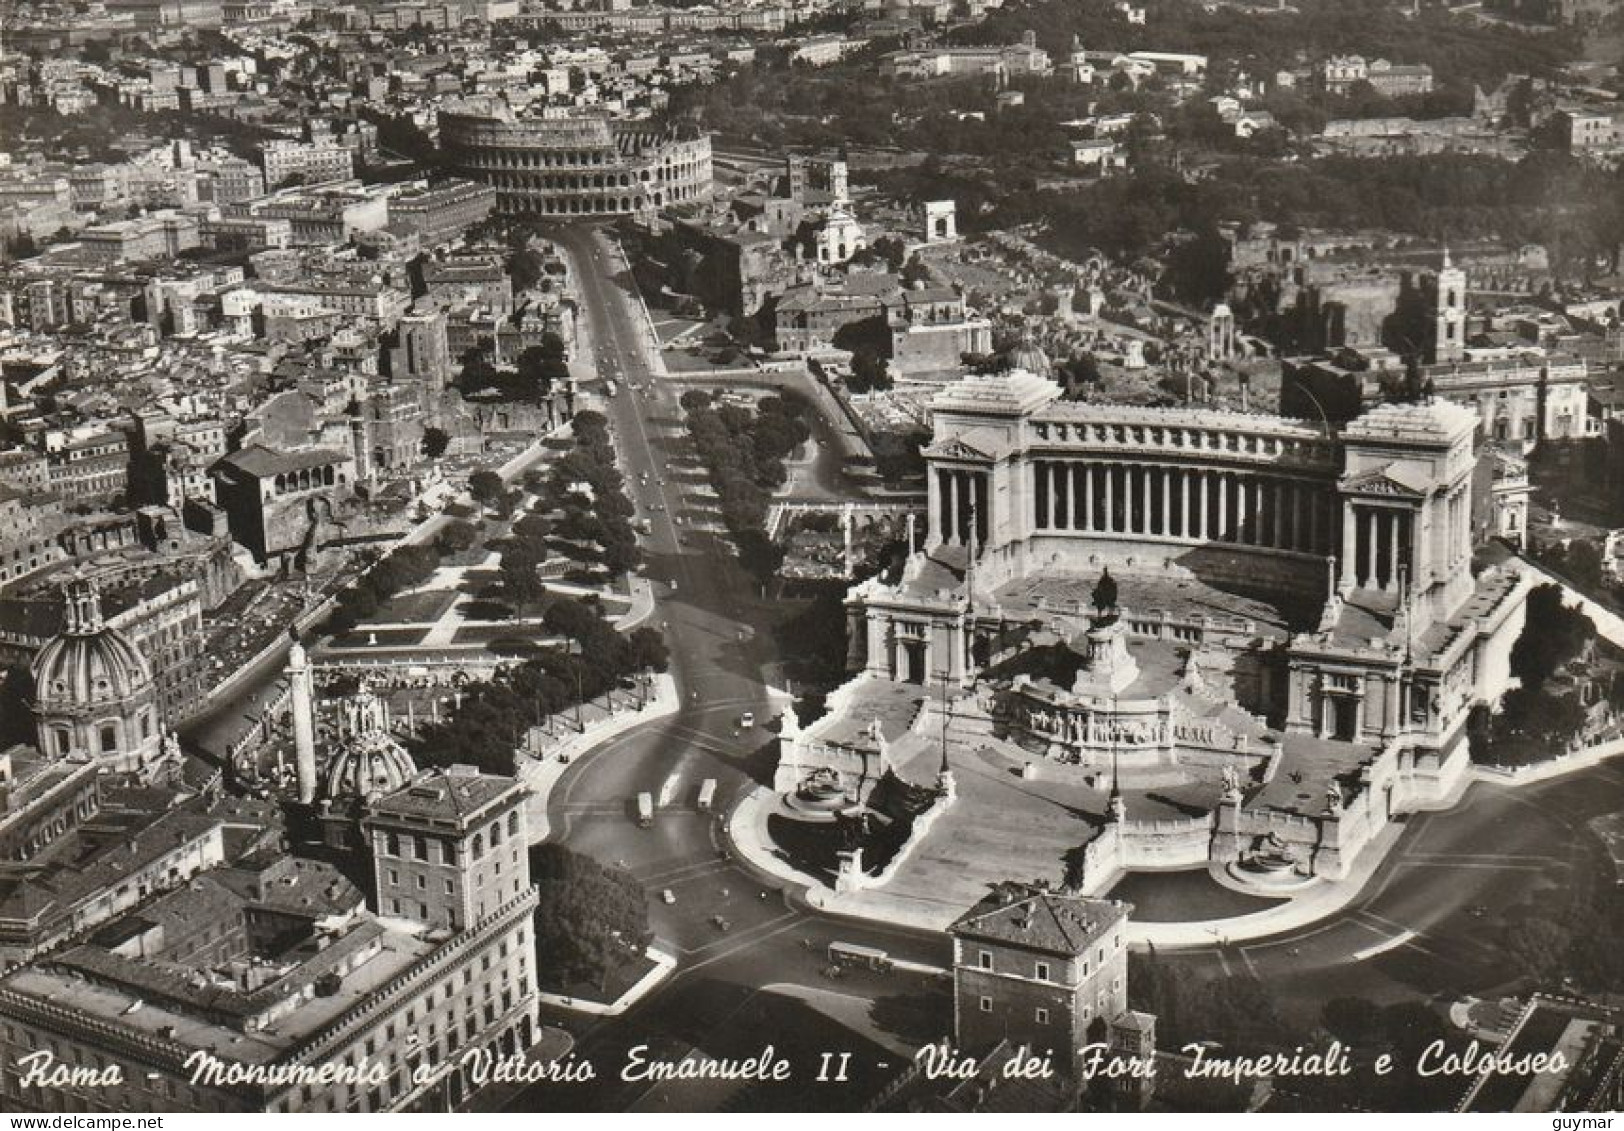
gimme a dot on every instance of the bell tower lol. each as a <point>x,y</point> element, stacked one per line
<point>1449,313</point>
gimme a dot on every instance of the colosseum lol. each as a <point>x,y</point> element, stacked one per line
<point>576,164</point>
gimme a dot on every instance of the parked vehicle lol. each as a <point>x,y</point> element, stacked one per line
<point>851,954</point>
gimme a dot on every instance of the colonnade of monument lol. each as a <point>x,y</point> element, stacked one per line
<point>1199,504</point>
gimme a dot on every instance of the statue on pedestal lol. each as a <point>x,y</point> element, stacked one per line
<point>1105,598</point>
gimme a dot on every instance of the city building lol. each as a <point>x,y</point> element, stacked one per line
<point>1043,970</point>
<point>299,975</point>
<point>443,211</point>
<point>311,162</point>
<point>277,501</point>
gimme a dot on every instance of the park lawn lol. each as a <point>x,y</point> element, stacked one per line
<point>385,637</point>
<point>681,361</point>
<point>414,608</point>
<point>485,633</point>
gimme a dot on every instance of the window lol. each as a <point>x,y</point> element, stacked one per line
<point>986,1005</point>
<point>1042,1016</point>
<point>986,960</point>
<point>1043,971</point>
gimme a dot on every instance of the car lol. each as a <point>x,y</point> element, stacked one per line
<point>668,896</point>
<point>747,720</point>
<point>673,585</point>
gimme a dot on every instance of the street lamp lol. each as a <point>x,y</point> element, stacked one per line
<point>579,694</point>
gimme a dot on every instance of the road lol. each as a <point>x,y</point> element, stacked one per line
<point>720,639</point>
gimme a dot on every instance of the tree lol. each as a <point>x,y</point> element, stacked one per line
<point>485,486</point>
<point>1555,635</point>
<point>758,554</point>
<point>649,651</point>
<point>869,372</point>
<point>456,536</point>
<point>533,529</point>
<point>573,618</point>
<point>521,584</point>
<point>1537,947</point>
<point>539,371</point>
<point>435,442</point>
<point>359,601</point>
<point>589,919</point>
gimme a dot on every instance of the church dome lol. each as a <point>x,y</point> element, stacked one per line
<point>368,763</point>
<point>1028,355</point>
<point>89,664</point>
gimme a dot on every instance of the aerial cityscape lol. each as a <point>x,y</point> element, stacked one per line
<point>873,556</point>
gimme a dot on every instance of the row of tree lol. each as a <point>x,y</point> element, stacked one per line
<point>585,494</point>
<point>744,453</point>
<point>488,726</point>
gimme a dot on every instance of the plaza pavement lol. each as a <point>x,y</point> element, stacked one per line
<point>540,770</point>
<point>930,903</point>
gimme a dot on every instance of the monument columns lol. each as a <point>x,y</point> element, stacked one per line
<point>1372,536</point>
<point>1201,511</point>
<point>1396,525</point>
<point>1350,546</point>
<point>933,486</point>
<point>1297,517</point>
<point>1167,501</point>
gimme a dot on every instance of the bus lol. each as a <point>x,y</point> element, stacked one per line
<point>707,795</point>
<point>851,954</point>
<point>645,810</point>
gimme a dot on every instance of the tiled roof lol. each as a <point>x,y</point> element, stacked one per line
<point>1044,920</point>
